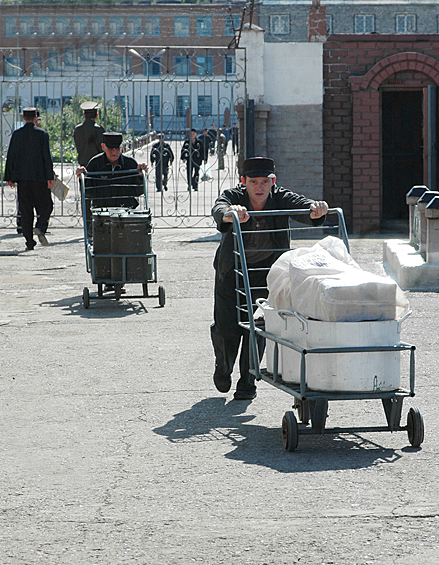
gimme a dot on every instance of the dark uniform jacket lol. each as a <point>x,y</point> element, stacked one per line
<point>193,151</point>
<point>161,153</point>
<point>279,199</point>
<point>29,155</point>
<point>110,185</point>
<point>88,139</point>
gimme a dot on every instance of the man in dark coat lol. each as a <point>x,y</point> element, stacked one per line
<point>29,164</point>
<point>88,135</point>
<point>234,136</point>
<point>257,191</point>
<point>161,157</point>
<point>192,153</point>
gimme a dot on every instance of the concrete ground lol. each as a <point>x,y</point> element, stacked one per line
<point>117,449</point>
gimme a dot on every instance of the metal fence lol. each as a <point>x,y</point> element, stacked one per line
<point>168,104</point>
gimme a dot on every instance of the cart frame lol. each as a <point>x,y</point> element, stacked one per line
<point>91,256</point>
<point>313,405</point>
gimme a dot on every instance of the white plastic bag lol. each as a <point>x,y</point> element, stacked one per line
<point>323,282</point>
<point>205,173</point>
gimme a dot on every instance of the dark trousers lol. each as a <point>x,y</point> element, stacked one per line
<point>34,195</point>
<point>193,172</point>
<point>226,334</point>
<point>161,176</point>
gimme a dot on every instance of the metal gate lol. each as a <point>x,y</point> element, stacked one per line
<point>171,103</point>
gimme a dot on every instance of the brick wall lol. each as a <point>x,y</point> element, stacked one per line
<point>354,70</point>
<point>294,135</point>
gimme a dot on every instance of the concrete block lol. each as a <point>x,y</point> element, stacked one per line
<point>407,266</point>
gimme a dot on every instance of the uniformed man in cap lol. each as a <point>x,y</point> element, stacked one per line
<point>29,164</point>
<point>257,191</point>
<point>105,189</point>
<point>88,135</point>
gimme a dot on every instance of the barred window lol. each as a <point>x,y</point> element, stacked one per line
<point>13,66</point>
<point>69,56</point>
<point>405,23</point>
<point>205,105</point>
<point>204,25</point>
<point>229,65</point>
<point>79,25</point>
<point>62,25</point>
<point>154,66</point>
<point>27,25</point>
<point>280,24</point>
<point>115,25</point>
<point>37,66</point>
<point>364,23</point>
<point>11,26</point>
<point>183,103</point>
<point>204,65</point>
<point>152,25</point>
<point>154,104</point>
<point>228,27</point>
<point>44,25</point>
<point>134,26</point>
<point>53,63</point>
<point>182,65</point>
<point>98,25</point>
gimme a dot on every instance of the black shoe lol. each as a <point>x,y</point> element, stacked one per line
<point>30,247</point>
<point>245,395</point>
<point>195,188</point>
<point>159,190</point>
<point>222,382</point>
<point>165,187</point>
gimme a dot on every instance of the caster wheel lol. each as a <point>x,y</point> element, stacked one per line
<point>415,427</point>
<point>290,431</point>
<point>117,291</point>
<point>303,412</point>
<point>145,289</point>
<point>86,297</point>
<point>162,297</point>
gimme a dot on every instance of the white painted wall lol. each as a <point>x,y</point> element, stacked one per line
<point>293,73</point>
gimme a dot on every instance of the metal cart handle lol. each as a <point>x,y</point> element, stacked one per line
<point>400,321</point>
<point>284,313</point>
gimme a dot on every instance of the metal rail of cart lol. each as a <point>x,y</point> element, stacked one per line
<point>114,195</point>
<point>312,405</point>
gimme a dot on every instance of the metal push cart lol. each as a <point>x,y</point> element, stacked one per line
<point>312,405</point>
<point>117,234</point>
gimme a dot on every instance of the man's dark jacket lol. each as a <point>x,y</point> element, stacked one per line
<point>278,199</point>
<point>193,151</point>
<point>112,185</point>
<point>88,139</point>
<point>161,153</point>
<point>29,155</point>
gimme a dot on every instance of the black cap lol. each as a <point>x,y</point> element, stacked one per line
<point>258,167</point>
<point>30,112</point>
<point>112,139</point>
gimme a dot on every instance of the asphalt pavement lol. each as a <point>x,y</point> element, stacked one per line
<point>117,449</point>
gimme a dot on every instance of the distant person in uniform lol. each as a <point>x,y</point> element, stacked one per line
<point>192,153</point>
<point>161,157</point>
<point>212,136</point>
<point>29,164</point>
<point>88,135</point>
<point>221,148</point>
<point>234,135</point>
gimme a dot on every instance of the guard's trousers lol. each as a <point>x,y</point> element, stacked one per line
<point>34,195</point>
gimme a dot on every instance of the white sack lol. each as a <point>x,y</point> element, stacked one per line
<point>323,282</point>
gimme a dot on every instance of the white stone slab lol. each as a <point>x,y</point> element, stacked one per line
<point>407,267</point>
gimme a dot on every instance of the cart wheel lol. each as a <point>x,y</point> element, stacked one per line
<point>161,296</point>
<point>415,427</point>
<point>86,297</point>
<point>303,411</point>
<point>100,290</point>
<point>117,291</point>
<point>290,431</point>
<point>145,289</point>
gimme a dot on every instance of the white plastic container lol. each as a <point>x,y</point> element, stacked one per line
<point>274,324</point>
<point>342,372</point>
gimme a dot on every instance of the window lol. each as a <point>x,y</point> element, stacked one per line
<point>181,26</point>
<point>204,66</point>
<point>44,25</point>
<point>62,25</point>
<point>86,53</point>
<point>134,26</point>
<point>13,66</point>
<point>11,26</point>
<point>329,24</point>
<point>40,102</point>
<point>280,24</point>
<point>183,103</point>
<point>229,65</point>
<point>228,27</point>
<point>102,49</point>
<point>122,101</point>
<point>115,26</point>
<point>69,56</point>
<point>37,66</point>
<point>364,23</point>
<point>79,25</point>
<point>53,63</point>
<point>204,25</point>
<point>153,68</point>
<point>182,66</point>
<point>152,25</point>
<point>27,25</point>
<point>405,23</point>
<point>97,25</point>
<point>205,105</point>
<point>116,66</point>
<point>154,105</point>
